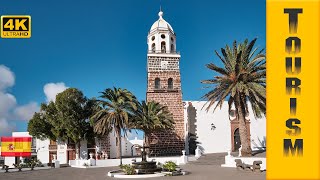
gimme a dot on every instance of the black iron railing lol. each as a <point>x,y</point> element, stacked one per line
<point>162,52</point>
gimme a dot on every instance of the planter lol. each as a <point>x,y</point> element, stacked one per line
<point>173,173</point>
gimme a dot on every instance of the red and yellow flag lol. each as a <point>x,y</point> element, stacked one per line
<point>15,146</point>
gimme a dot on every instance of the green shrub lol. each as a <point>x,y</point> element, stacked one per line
<point>38,163</point>
<point>128,169</point>
<point>170,166</point>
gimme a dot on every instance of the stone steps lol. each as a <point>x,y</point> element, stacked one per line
<point>210,159</point>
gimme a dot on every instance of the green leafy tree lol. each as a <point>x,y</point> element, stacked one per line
<point>116,106</point>
<point>151,117</point>
<point>45,124</point>
<point>73,112</point>
<point>241,80</point>
<point>51,115</point>
<point>67,118</point>
<point>40,128</point>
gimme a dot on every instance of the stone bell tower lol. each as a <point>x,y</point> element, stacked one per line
<point>164,86</point>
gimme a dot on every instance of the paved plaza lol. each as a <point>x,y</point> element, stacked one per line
<point>207,167</point>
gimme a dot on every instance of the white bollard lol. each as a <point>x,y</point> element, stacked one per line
<point>240,151</point>
<point>229,152</point>
<point>184,158</point>
<point>92,162</point>
<point>57,164</point>
<point>198,152</point>
<point>55,161</point>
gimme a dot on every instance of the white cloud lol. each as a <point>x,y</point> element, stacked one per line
<point>6,128</point>
<point>6,77</point>
<point>26,112</point>
<point>52,89</point>
<point>10,111</point>
<point>7,102</point>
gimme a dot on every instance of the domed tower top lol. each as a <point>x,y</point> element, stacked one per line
<point>161,24</point>
<point>161,37</point>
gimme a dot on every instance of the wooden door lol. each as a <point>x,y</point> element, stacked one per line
<point>92,151</point>
<point>237,142</point>
<point>51,153</point>
<point>71,155</point>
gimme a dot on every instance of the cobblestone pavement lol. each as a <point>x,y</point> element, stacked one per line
<point>206,168</point>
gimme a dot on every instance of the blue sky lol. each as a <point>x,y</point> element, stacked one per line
<point>97,44</point>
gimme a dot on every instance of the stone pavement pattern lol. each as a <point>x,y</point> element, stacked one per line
<point>206,168</point>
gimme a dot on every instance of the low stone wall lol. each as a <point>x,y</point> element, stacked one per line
<point>82,162</point>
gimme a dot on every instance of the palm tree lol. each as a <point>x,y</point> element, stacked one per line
<point>151,117</point>
<point>115,108</point>
<point>242,80</point>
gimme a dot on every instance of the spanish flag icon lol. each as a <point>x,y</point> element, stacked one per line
<point>15,146</point>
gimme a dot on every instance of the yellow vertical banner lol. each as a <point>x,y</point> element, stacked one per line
<point>293,88</point>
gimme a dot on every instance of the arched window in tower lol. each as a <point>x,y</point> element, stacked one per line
<point>163,47</point>
<point>157,83</point>
<point>172,48</point>
<point>153,47</point>
<point>170,83</point>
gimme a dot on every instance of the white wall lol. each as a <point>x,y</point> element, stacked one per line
<point>43,150</point>
<point>212,141</point>
<point>126,145</point>
<point>258,132</point>
<point>219,139</point>
<point>62,152</point>
<point>9,161</point>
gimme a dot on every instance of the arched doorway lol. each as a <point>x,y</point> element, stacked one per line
<point>236,140</point>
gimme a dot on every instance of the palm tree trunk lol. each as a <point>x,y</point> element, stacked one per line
<point>146,140</point>
<point>118,137</point>
<point>241,113</point>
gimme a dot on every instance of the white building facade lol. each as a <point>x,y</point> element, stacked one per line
<point>217,131</point>
<point>104,148</point>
